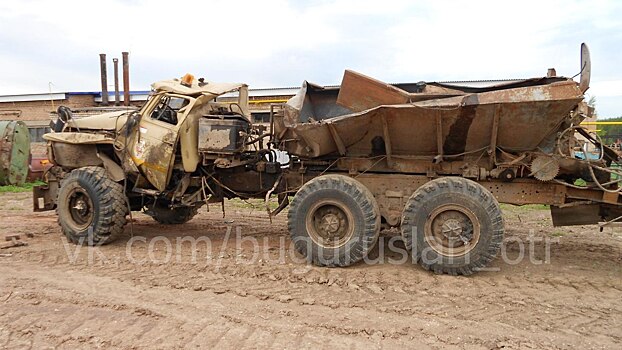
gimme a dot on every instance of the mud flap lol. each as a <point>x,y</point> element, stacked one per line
<point>44,197</point>
<point>585,214</point>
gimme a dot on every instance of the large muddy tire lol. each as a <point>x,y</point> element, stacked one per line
<point>453,226</point>
<point>91,207</point>
<point>163,214</point>
<point>334,221</point>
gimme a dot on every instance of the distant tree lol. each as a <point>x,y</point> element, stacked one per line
<point>608,133</point>
<point>611,133</point>
<point>592,103</point>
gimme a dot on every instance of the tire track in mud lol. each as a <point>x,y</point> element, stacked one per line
<point>80,338</point>
<point>265,287</point>
<point>425,282</point>
<point>236,332</point>
<point>291,301</point>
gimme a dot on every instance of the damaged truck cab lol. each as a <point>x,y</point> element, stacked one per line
<point>141,160</point>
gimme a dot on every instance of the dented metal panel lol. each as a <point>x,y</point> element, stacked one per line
<point>74,155</point>
<point>218,135</point>
<point>359,92</point>
<point>466,121</point>
<point>79,138</point>
<point>153,153</point>
<point>196,87</point>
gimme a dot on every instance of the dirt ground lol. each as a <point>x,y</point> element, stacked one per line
<point>254,292</point>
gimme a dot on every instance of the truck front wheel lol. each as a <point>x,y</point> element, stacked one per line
<point>453,226</point>
<point>91,207</point>
<point>334,220</point>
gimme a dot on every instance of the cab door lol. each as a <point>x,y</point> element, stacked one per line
<point>155,144</point>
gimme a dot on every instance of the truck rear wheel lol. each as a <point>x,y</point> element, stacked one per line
<point>91,207</point>
<point>334,221</point>
<point>163,214</point>
<point>453,226</point>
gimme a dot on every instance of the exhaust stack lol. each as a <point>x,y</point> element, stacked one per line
<point>115,62</point>
<point>126,79</point>
<point>104,78</point>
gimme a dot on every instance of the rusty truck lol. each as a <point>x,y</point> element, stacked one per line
<point>432,160</point>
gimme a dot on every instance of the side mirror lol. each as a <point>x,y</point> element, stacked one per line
<point>586,68</point>
<point>131,123</point>
<point>64,115</point>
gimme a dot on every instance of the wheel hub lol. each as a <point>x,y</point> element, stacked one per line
<point>329,224</point>
<point>80,208</point>
<point>452,230</point>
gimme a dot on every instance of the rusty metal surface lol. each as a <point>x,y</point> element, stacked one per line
<point>115,62</point>
<point>391,191</point>
<point>395,140</point>
<point>79,138</point>
<point>221,135</point>
<point>75,155</point>
<point>126,78</point>
<point>359,92</point>
<point>467,122</point>
<point>313,103</point>
<point>578,215</point>
<point>104,78</point>
<point>14,152</point>
<point>153,151</point>
<point>43,198</point>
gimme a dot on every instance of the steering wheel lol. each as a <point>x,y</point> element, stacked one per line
<point>166,114</point>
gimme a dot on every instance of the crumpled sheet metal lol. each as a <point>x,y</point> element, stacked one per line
<point>311,103</point>
<point>208,88</point>
<point>104,121</point>
<point>527,117</point>
<point>79,138</point>
<point>359,92</point>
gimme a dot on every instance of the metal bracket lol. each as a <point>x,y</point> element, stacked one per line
<point>387,141</point>
<point>338,141</point>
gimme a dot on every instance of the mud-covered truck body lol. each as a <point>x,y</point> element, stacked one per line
<point>431,159</point>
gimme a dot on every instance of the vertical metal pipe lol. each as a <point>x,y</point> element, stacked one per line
<point>104,78</point>
<point>126,78</point>
<point>115,62</point>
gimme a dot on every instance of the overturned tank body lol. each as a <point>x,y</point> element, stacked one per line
<point>523,133</point>
<point>453,123</point>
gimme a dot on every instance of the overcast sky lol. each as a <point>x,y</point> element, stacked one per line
<point>281,43</point>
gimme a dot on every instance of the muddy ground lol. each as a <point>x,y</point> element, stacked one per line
<point>254,292</point>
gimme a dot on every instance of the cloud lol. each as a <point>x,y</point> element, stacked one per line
<point>281,43</point>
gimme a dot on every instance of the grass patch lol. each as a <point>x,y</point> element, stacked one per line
<point>27,187</point>
<point>525,207</point>
<point>558,234</point>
